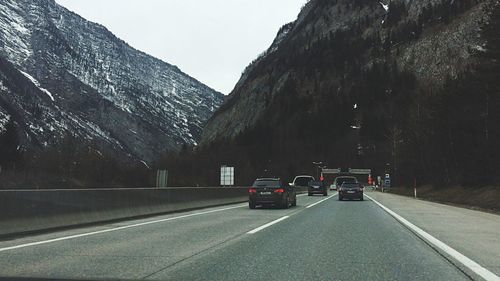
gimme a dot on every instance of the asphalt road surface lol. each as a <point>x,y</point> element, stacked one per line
<point>317,240</point>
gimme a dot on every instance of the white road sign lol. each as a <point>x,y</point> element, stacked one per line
<point>226,176</point>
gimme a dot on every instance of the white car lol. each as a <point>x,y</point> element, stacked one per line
<point>302,181</point>
<point>339,180</point>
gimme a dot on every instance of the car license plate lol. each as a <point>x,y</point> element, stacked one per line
<point>350,191</point>
<point>316,187</point>
<point>265,193</point>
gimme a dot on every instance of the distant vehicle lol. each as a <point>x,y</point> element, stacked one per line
<point>271,191</point>
<point>317,187</point>
<point>302,181</point>
<point>351,190</point>
<point>340,180</point>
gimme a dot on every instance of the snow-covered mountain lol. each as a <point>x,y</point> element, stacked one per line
<point>61,74</point>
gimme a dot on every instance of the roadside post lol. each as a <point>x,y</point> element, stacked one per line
<point>161,178</point>
<point>415,188</point>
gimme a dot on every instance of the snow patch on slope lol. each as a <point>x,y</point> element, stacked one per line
<point>385,6</point>
<point>34,81</point>
<point>4,119</point>
<point>3,88</point>
<point>282,34</point>
<point>480,48</point>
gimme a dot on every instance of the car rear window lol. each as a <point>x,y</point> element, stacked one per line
<point>340,181</point>
<point>349,184</point>
<point>266,184</point>
<point>302,181</point>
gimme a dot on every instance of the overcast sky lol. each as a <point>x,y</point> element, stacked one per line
<point>211,40</point>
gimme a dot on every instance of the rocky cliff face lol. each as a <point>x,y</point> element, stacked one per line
<point>61,74</point>
<point>405,86</point>
<point>431,39</point>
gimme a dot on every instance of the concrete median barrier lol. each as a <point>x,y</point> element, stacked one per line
<point>27,211</point>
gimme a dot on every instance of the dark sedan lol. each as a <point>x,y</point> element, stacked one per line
<point>317,187</point>
<point>271,191</point>
<point>350,191</point>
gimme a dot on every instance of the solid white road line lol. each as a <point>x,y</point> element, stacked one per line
<point>267,225</point>
<point>470,264</point>
<point>117,228</point>
<point>319,202</point>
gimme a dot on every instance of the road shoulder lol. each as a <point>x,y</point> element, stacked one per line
<point>472,233</point>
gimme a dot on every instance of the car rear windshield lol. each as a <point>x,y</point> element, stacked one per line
<point>316,183</point>
<point>350,185</point>
<point>302,181</point>
<point>340,181</point>
<point>266,184</point>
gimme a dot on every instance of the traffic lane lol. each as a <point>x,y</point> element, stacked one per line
<point>44,236</point>
<point>136,252</point>
<point>24,239</point>
<point>335,240</point>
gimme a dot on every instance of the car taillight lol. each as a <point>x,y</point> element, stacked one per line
<point>279,190</point>
<point>252,190</point>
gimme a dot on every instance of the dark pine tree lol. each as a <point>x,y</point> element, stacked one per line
<point>10,155</point>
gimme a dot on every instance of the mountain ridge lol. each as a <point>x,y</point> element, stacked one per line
<point>103,90</point>
<point>346,16</point>
<point>405,88</point>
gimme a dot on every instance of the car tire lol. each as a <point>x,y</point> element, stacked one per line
<point>361,198</point>
<point>340,198</point>
<point>309,194</point>
<point>286,204</point>
<point>294,201</point>
<point>325,194</point>
<point>251,205</point>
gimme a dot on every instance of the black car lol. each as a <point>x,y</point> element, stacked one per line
<point>271,191</point>
<point>350,190</point>
<point>317,187</point>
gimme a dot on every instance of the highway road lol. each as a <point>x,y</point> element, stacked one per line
<point>320,239</point>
